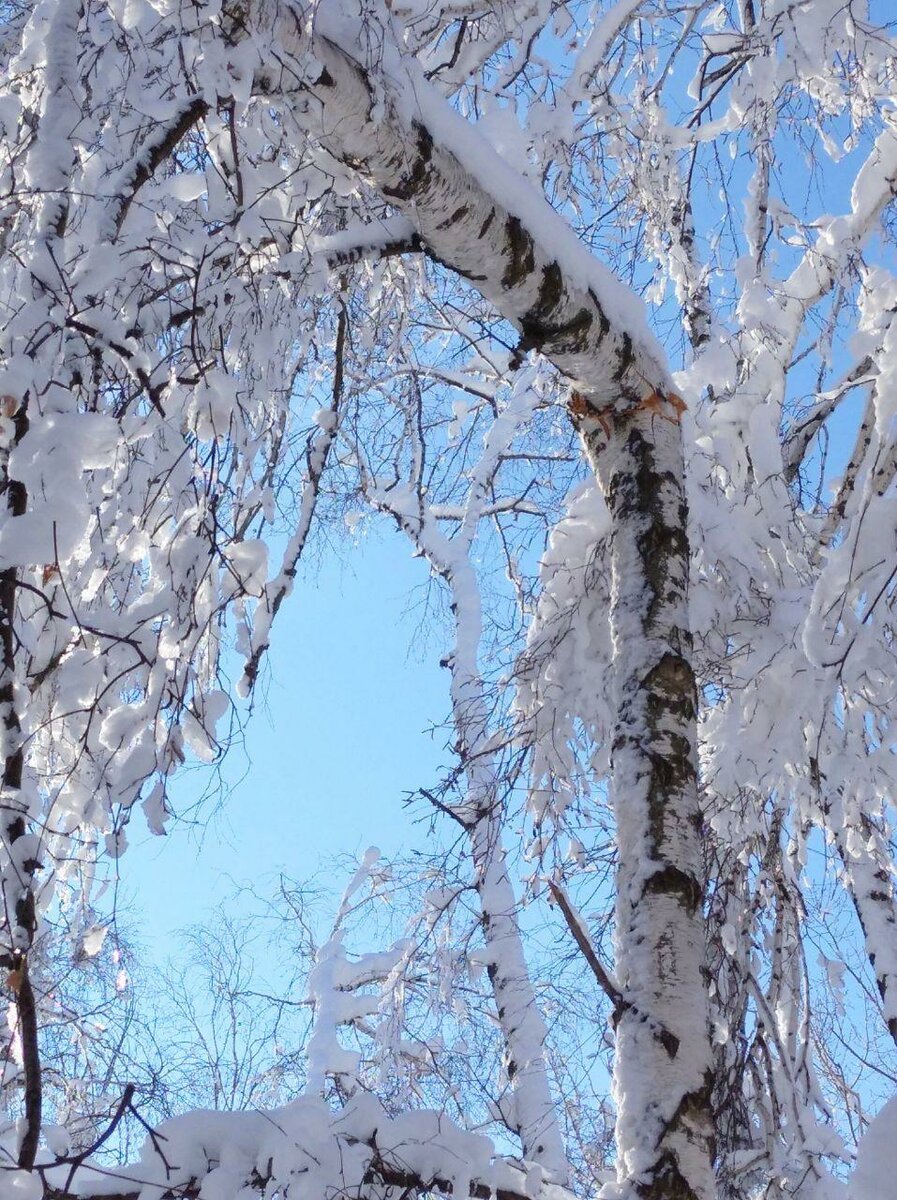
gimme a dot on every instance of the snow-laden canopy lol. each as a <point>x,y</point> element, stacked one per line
<point>266,264</point>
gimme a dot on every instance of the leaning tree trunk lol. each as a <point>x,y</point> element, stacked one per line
<point>505,239</point>
<point>662,1076</point>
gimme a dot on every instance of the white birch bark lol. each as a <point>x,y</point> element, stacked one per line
<point>663,1073</point>
<point>522,1026</point>
<point>532,1112</point>
<point>527,262</point>
<point>663,1065</point>
<point>864,856</point>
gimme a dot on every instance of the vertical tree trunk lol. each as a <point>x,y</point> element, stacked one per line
<point>865,858</point>
<point>18,842</point>
<point>530,1107</point>
<point>520,1019</point>
<point>865,863</point>
<point>566,306</point>
<point>663,1073</point>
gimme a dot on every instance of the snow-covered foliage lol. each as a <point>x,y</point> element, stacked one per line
<point>260,260</point>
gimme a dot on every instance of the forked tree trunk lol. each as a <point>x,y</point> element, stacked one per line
<point>663,1075</point>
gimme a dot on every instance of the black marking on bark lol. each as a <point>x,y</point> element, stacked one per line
<point>454,218</point>
<point>485,226</point>
<point>670,687</point>
<point>671,880</point>
<point>539,328</point>
<point>665,1180</point>
<point>661,544</point>
<point>567,335</point>
<point>521,253</point>
<point>603,319</point>
<point>444,262</point>
<point>627,358</point>
<point>551,291</point>
<point>665,1036</point>
<point>668,1040</point>
<point>412,181</point>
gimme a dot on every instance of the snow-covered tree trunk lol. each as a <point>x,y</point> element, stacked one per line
<point>870,880</point>
<point>530,1107</point>
<point>508,242</point>
<point>20,844</point>
<point>663,1074</point>
<point>522,1026</point>
<point>480,219</point>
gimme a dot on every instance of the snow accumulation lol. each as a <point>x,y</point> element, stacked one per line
<point>417,100</point>
<point>875,1176</point>
<point>306,1143</point>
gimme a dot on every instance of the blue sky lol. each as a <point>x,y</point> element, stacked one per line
<point>340,735</point>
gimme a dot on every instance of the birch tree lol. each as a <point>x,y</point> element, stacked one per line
<point>195,201</point>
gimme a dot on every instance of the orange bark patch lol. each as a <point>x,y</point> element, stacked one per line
<point>580,408</point>
<point>658,403</point>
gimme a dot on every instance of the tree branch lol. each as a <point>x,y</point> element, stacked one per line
<point>501,235</point>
